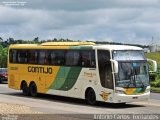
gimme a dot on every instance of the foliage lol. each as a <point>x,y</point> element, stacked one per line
<point>156,57</point>
<point>153,89</point>
<point>5,44</point>
<point>3,56</point>
<point>152,76</point>
<point>155,83</point>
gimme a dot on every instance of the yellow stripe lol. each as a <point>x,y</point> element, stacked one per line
<point>129,91</point>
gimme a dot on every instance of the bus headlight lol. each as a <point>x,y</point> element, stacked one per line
<point>120,92</point>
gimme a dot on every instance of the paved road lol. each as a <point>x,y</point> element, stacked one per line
<point>62,105</point>
<point>155,96</point>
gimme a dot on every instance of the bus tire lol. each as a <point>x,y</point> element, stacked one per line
<point>90,96</point>
<point>33,89</point>
<point>25,89</point>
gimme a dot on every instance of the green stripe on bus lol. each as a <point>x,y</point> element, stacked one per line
<point>139,90</point>
<point>81,47</point>
<point>71,78</point>
<point>66,78</point>
<point>86,47</point>
<point>60,78</point>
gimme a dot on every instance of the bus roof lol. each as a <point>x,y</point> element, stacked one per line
<point>117,47</point>
<point>54,45</point>
<point>67,45</point>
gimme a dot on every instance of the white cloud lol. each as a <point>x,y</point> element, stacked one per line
<point>121,21</point>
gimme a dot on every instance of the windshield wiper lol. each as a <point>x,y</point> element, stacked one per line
<point>133,77</point>
<point>143,86</point>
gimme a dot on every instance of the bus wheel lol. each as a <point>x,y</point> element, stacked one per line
<point>90,96</point>
<point>25,89</point>
<point>33,89</point>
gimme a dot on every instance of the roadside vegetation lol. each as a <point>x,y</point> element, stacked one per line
<point>3,56</point>
<point>155,77</point>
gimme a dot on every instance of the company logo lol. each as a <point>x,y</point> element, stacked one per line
<point>45,70</point>
<point>104,95</point>
<point>91,75</point>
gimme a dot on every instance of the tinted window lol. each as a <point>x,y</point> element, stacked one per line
<point>105,69</point>
<point>57,57</point>
<point>73,58</point>
<point>88,59</point>
<point>22,56</point>
<point>85,58</point>
<point>43,57</point>
<point>13,56</point>
<point>32,56</point>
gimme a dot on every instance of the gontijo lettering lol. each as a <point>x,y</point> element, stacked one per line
<point>46,70</point>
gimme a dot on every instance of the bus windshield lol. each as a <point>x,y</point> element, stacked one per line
<point>133,68</point>
<point>128,55</point>
<point>132,74</point>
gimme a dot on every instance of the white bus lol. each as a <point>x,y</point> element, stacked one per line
<point>108,73</point>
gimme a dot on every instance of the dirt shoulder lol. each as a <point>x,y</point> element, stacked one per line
<point>6,108</point>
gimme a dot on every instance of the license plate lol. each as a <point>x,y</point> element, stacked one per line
<point>134,97</point>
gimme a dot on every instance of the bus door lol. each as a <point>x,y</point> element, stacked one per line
<point>105,69</point>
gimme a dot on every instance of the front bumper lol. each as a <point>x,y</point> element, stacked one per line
<point>123,98</point>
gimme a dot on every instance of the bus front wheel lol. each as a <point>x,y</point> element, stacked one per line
<point>25,89</point>
<point>90,96</point>
<point>33,89</point>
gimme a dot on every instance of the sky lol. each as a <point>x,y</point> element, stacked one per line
<point>125,21</point>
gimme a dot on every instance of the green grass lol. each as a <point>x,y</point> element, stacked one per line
<point>155,56</point>
<point>153,89</point>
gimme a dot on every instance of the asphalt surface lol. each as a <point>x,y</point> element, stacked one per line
<point>50,104</point>
<point>155,96</point>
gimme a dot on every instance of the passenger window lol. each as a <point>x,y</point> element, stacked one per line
<point>32,56</point>
<point>72,58</point>
<point>42,58</point>
<point>13,56</point>
<point>57,57</point>
<point>88,59</point>
<point>22,56</point>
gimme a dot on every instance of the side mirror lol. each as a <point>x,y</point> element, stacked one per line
<point>154,64</point>
<point>115,65</point>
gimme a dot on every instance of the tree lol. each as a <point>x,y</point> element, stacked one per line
<point>3,56</point>
<point>36,40</point>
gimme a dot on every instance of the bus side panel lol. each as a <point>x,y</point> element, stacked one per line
<point>13,76</point>
<point>42,75</point>
<point>87,79</point>
<point>90,79</point>
<point>65,80</point>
